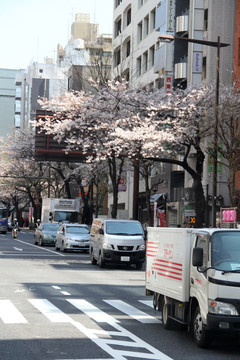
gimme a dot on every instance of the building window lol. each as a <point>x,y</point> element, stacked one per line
<point>117,57</point>
<point>151,56</point>
<point>139,65</point>
<point>117,3</point>
<point>139,32</point>
<point>146,26</point>
<point>129,17</point>
<point>205,19</point>
<point>152,19</point>
<point>118,27</point>
<point>126,75</point>
<point>18,106</point>
<point>204,68</point>
<point>17,120</point>
<point>128,48</point>
<point>18,92</point>
<point>145,61</point>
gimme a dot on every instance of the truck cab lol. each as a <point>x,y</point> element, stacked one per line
<point>194,276</point>
<point>215,281</point>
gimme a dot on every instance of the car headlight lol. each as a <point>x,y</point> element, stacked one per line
<point>142,247</point>
<point>107,246</point>
<point>221,308</point>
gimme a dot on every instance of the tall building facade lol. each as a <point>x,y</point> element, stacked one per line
<point>10,101</point>
<point>134,40</point>
<point>141,57</point>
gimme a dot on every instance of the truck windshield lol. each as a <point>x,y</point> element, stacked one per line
<point>66,216</point>
<point>123,228</point>
<point>226,250</point>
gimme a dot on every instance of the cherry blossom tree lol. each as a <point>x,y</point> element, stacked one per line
<point>118,122</point>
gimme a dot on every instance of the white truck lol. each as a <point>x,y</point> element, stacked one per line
<point>194,277</point>
<point>60,210</point>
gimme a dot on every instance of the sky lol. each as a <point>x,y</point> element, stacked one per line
<point>30,30</point>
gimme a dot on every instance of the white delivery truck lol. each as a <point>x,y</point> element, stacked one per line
<point>60,210</point>
<point>194,277</point>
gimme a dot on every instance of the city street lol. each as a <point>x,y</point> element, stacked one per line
<point>57,305</point>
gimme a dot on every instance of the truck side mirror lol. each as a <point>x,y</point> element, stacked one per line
<point>197,257</point>
<point>101,232</point>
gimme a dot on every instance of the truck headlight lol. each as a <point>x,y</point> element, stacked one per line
<point>221,308</point>
<point>142,247</point>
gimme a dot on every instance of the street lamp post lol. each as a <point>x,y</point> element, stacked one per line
<point>218,45</point>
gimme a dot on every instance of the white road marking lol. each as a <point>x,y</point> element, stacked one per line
<point>15,248</point>
<point>56,287</point>
<point>92,311</point>
<point>42,248</point>
<point>149,352</point>
<point>49,310</point>
<point>65,293</point>
<point>133,312</point>
<point>10,314</point>
<point>147,302</point>
<point>114,347</point>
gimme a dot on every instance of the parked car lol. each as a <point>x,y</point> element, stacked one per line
<point>73,237</point>
<point>45,234</point>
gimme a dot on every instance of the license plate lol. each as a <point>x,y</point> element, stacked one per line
<point>125,258</point>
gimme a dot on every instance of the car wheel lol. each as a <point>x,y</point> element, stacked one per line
<point>101,262</point>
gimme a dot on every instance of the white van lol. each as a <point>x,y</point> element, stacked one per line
<point>117,242</point>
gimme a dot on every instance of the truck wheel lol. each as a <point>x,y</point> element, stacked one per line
<point>93,260</point>
<point>168,323</point>
<point>101,262</point>
<point>201,336</point>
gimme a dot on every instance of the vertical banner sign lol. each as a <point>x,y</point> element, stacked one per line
<point>170,15</point>
<point>168,84</point>
<point>162,218</point>
<point>155,214</point>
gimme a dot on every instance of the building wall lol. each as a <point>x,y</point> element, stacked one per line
<point>236,59</point>
<point>138,63</point>
<point>83,29</point>
<point>7,100</point>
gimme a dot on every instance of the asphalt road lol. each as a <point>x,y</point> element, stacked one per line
<point>57,305</point>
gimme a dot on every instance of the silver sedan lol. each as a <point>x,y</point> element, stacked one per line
<point>73,237</point>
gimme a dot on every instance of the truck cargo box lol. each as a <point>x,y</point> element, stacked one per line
<point>168,262</point>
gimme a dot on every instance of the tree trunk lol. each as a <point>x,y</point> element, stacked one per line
<point>148,194</point>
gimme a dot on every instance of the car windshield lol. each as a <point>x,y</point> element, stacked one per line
<point>225,248</point>
<point>123,228</point>
<point>77,230</point>
<point>50,227</point>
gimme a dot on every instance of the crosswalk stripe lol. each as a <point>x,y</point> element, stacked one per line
<point>147,303</point>
<point>132,311</point>
<point>49,310</point>
<point>10,314</point>
<point>92,311</point>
